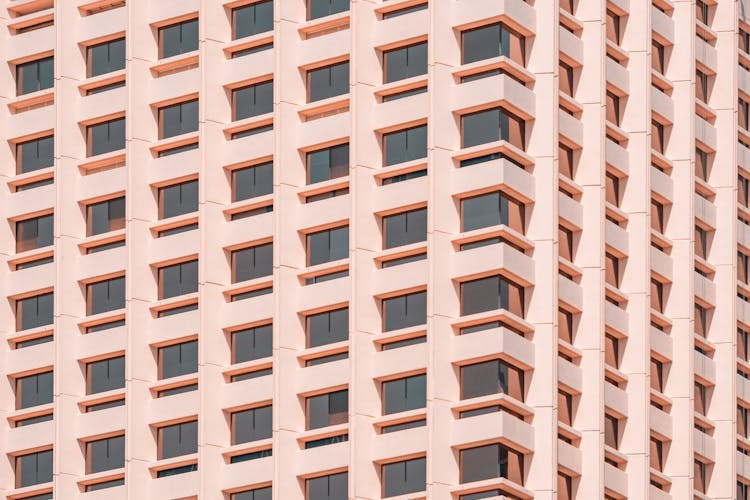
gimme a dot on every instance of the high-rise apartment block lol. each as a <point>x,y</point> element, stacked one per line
<point>411,249</point>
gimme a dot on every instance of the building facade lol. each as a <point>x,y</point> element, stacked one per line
<point>331,249</point>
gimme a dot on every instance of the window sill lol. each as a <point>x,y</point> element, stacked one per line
<point>102,162</point>
<point>321,351</point>
<point>21,180</point>
<point>503,63</point>
<point>399,335</point>
<point>321,433</point>
<point>503,400</point>
<point>95,82</point>
<point>569,350</point>
<point>172,383</point>
<point>403,417</point>
<point>34,100</point>
<point>615,293</point>
<point>503,147</point>
<point>248,205</point>
<point>30,256</point>
<point>620,458</point>
<point>173,142</point>
<point>322,270</point>
<point>174,64</point>
<point>399,86</point>
<point>101,477</point>
<point>19,9</point>
<point>101,239</point>
<point>173,303</point>
<point>173,223</point>
<point>28,491</point>
<point>569,432</point>
<point>247,367</point>
<point>243,448</point>
<point>172,463</point>
<point>400,252</point>
<point>660,398</point>
<point>324,107</point>
<point>251,123</point>
<point>661,240</point>
<point>34,411</point>
<point>248,43</point>
<point>314,27</point>
<point>31,333</point>
<point>506,486</point>
<point>100,398</point>
<point>247,286</point>
<point>572,105</point>
<point>570,21</point>
<point>501,231</point>
<point>501,315</point>
<point>322,187</point>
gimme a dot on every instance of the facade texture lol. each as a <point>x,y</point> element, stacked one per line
<point>322,249</point>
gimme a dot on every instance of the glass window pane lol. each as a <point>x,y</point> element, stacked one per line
<point>481,127</point>
<point>178,359</point>
<point>329,81</point>
<point>405,145</point>
<point>178,199</point>
<point>321,8</point>
<point>34,390</point>
<point>480,295</point>
<point>254,262</point>
<point>253,100</point>
<point>400,478</point>
<point>481,43</point>
<point>106,454</point>
<point>106,375</point>
<point>253,19</point>
<point>405,228</point>
<point>35,154</point>
<point>35,311</point>
<point>35,468</point>
<point>253,181</point>
<point>405,311</point>
<point>177,440</point>
<point>179,38</point>
<point>491,461</point>
<point>253,343</point>
<point>405,394</point>
<point>328,327</point>
<point>106,295</point>
<point>252,425</point>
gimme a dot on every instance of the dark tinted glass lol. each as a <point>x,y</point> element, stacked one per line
<point>327,409</point>
<point>251,182</point>
<point>321,8</point>
<point>178,359</point>
<point>34,390</point>
<point>405,394</point>
<point>491,41</point>
<point>178,199</point>
<point>253,343</point>
<point>178,38</point>
<point>257,494</point>
<point>104,485</point>
<point>485,462</point>
<point>253,262</point>
<point>327,246</point>
<point>253,100</point>
<point>106,216</point>
<point>405,145</point>
<point>178,119</point>
<point>328,327</point>
<point>400,478</point>
<point>405,62</point>
<point>491,377</point>
<point>332,487</point>
<point>106,454</point>
<point>481,495</point>
<point>252,19</point>
<point>328,81</point>
<point>404,11</point>
<point>106,295</point>
<point>252,425</point>
<point>405,228</point>
<point>35,233</point>
<point>405,311</point>
<point>490,293</point>
<point>106,375</point>
<point>107,57</point>
<point>34,420</point>
<point>35,75</point>
<point>483,127</point>
<point>179,439</point>
<point>35,154</point>
<point>327,164</point>
<point>36,311</point>
<point>490,210</point>
<point>34,468</point>
<point>106,137</point>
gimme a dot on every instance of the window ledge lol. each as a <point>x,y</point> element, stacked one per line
<point>661,240</point>
<point>502,315</point>
<point>250,123</point>
<point>660,477</point>
<point>400,252</point>
<point>248,42</point>
<point>403,417</point>
<point>324,107</point>
<point>323,432</point>
<point>615,455</point>
<point>95,82</point>
<point>323,23</point>
<point>322,351</point>
<point>503,63</point>
<point>26,413</point>
<point>505,485</point>
<point>31,255</point>
<point>704,31</point>
<point>400,168</point>
<point>617,52</point>
<point>570,21</point>
<point>21,493</point>
<point>705,111</point>
<point>571,104</point>
<point>29,177</point>
<point>242,448</point>
<point>616,212</point>
<point>180,62</point>
<point>324,269</point>
<point>101,239</point>
<point>31,334</point>
<point>100,477</point>
<point>102,162</point>
<point>501,399</point>
<point>570,268</point>
<point>501,231</point>
<point>173,142</point>
<point>660,398</point>
<point>173,222</point>
<point>247,286</point>
<point>173,383</point>
<point>615,293</point>
<point>618,376</point>
<point>102,318</point>
<point>399,86</point>
<point>247,367</point>
<point>174,302</point>
<point>34,100</point>
<point>173,463</point>
<point>398,335</point>
<point>248,205</point>
<point>100,398</point>
<point>661,82</point>
<point>569,432</point>
<point>570,350</point>
<point>323,187</point>
<point>25,8</point>
<point>503,147</point>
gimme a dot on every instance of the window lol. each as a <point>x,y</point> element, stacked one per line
<point>700,395</point>
<point>178,439</point>
<point>699,472</point>
<point>178,199</point>
<point>565,325</point>
<point>178,279</point>
<point>743,425</point>
<point>701,242</point>
<point>492,41</point>
<point>327,327</point>
<point>177,119</point>
<point>252,343</point>
<point>404,394</point>
<point>564,487</point>
<point>743,491</point>
<point>564,407</point>
<point>34,468</point>
<point>331,487</point>
<point>701,164</point>
<point>655,455</point>
<point>612,266</point>
<point>105,375</point>
<point>327,164</point>
<point>327,246</point>
<point>613,27</point>
<point>743,344</point>
<point>405,62</point>
<point>104,296</point>
<point>657,56</point>
<point>565,82</point>
<point>327,409</point>
<point>256,494</point>
<point>105,57</point>
<point>406,10</point>
<point>252,19</point>
<point>701,320</point>
<point>491,377</point>
<point>492,209</point>
<point>33,312</point>
<point>252,100</point>
<point>657,295</point>
<point>178,38</point>
<point>105,454</point>
<point>322,8</point>
<point>35,233</point>
<point>612,351</point>
<point>105,137</point>
<point>701,11</point>
<point>405,311</point>
<point>657,216</point>
<point>487,294</point>
<point>566,166</point>
<point>253,262</point>
<point>400,478</point>
<point>105,216</point>
<point>34,390</point>
<point>492,125</point>
<point>742,267</point>
<point>328,81</point>
<point>657,136</point>
<point>405,228</point>
<point>701,85</point>
<point>742,115</point>
<point>252,182</point>
<point>178,359</point>
<point>565,243</point>
<point>611,431</point>
<point>35,154</point>
<point>405,145</point>
<point>657,375</point>
<point>490,461</point>
<point>252,425</point>
<point>613,108</point>
<point>35,75</point>
<point>743,191</point>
